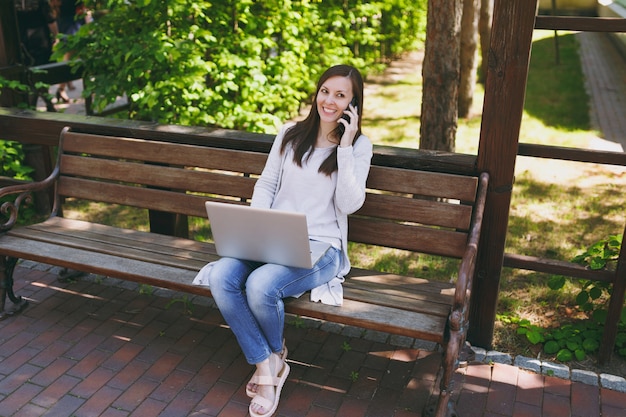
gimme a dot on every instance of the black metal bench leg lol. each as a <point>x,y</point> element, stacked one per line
<point>7,266</point>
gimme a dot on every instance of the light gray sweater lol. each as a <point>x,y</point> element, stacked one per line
<point>353,164</point>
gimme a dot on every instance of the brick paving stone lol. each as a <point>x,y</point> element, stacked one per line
<point>149,408</point>
<point>18,359</point>
<point>526,410</point>
<point>22,395</point>
<point>66,406</point>
<point>51,372</point>
<point>316,411</point>
<point>298,401</point>
<point>557,386</point>
<point>585,399</point>
<point>529,388</point>
<point>613,398</point>
<point>135,394</point>
<point>506,374</point>
<point>471,403</point>
<point>217,398</point>
<point>555,405</point>
<point>88,363</point>
<point>50,353</point>
<point>352,407</point>
<point>500,398</point>
<point>384,402</point>
<point>51,394</point>
<point>182,404</point>
<point>17,378</point>
<point>31,410</point>
<point>123,356</point>
<point>174,383</point>
<point>100,401</point>
<point>114,412</point>
<point>92,383</point>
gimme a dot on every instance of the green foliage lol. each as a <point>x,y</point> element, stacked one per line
<point>12,161</point>
<point>12,85</point>
<point>566,343</point>
<point>186,303</point>
<point>594,296</point>
<point>22,90</point>
<point>243,64</point>
<point>576,340</point>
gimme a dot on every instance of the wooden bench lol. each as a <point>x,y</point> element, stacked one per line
<point>427,212</point>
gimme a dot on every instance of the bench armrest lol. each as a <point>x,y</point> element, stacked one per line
<point>468,263</point>
<point>10,209</point>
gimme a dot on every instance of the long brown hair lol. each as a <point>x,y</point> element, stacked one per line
<point>303,134</point>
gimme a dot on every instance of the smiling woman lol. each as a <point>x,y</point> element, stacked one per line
<point>318,169</point>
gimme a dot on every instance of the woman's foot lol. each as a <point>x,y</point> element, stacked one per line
<point>62,96</point>
<point>271,376</point>
<point>251,386</point>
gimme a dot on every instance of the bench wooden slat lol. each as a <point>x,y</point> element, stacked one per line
<point>137,245</point>
<point>161,200</point>
<point>165,153</point>
<point>393,298</point>
<point>413,283</point>
<point>428,184</point>
<point>407,237</point>
<point>436,213</point>
<point>102,264</point>
<point>424,293</point>
<point>373,317</point>
<point>177,178</point>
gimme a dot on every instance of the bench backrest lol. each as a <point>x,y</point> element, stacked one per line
<point>407,209</point>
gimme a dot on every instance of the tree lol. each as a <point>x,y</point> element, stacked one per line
<point>240,64</point>
<point>469,47</point>
<point>484,31</point>
<point>440,74</point>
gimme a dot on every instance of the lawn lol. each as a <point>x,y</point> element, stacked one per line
<point>558,208</point>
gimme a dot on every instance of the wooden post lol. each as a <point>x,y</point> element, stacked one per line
<point>505,86</point>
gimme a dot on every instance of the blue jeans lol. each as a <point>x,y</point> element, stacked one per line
<point>250,298</point>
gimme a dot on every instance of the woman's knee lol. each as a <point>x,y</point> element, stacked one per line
<point>226,276</point>
<point>261,290</point>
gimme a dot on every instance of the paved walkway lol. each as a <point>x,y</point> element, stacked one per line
<point>89,349</point>
<point>605,75</point>
<point>99,347</point>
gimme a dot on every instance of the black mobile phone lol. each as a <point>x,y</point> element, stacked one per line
<point>342,128</point>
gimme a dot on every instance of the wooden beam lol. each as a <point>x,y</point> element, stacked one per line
<point>505,86</point>
<point>43,128</point>
<point>584,24</point>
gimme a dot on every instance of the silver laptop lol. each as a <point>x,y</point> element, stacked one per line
<point>263,235</point>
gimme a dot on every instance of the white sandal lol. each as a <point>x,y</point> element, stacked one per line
<point>255,378</point>
<point>278,381</point>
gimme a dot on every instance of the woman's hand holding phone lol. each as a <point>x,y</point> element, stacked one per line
<point>348,123</point>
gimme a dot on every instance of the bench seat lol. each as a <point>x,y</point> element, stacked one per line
<point>390,303</point>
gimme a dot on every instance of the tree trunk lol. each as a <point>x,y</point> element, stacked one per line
<point>469,46</point>
<point>484,31</point>
<point>440,74</point>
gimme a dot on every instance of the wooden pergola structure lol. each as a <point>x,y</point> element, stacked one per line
<point>509,54</point>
